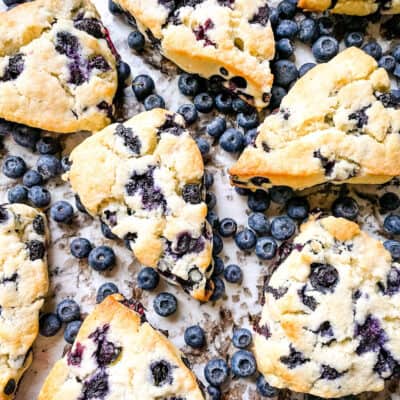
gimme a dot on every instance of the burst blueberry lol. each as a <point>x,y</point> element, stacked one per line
<point>165,304</point>
<point>102,258</point>
<point>68,310</point>
<point>80,248</point>
<point>148,278</point>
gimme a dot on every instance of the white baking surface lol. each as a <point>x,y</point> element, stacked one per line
<point>72,278</point>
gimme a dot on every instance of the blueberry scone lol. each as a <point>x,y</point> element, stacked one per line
<point>231,40</point>
<point>352,7</point>
<point>143,178</point>
<point>23,285</point>
<point>339,123</point>
<point>330,325</point>
<point>118,355</point>
<point>57,66</point>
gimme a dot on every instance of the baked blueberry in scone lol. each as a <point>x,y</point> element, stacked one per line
<point>57,67</point>
<point>330,325</point>
<point>352,7</point>
<point>118,355</point>
<point>339,123</point>
<point>230,40</point>
<point>23,285</point>
<point>144,179</point>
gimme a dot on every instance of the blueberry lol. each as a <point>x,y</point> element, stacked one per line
<point>345,207</point>
<point>39,196</point>
<point>48,145</point>
<point>243,363</point>
<point>212,219</point>
<point>396,71</point>
<point>216,127</point>
<point>165,304</point>
<point>214,393</point>
<point>114,7</point>
<point>211,200</point>
<point>285,72</point>
<point>391,224</point>
<point>298,208</point>
<point>203,146</point>
<point>71,331</point>
<point>32,178</point>
<point>232,140</point>
<point>203,102</point>
<point>264,388</point>
<point>17,194</point>
<point>136,40</point>
<point>105,290</point>
<point>240,106</point>
<point>274,16</point>
<point>49,325</point>
<point>266,248</point>
<point>227,227</point>
<point>14,167</point>
<point>68,310</point>
<point>389,201</point>
<point>143,86</point>
<point>287,9</point>
<point>259,223</point>
<point>281,194</point>
<point>305,68</point>
<point>195,337</point>
<point>216,371</point>
<point>355,39</point>
<point>387,62</point>
<point>258,201</point>
<point>148,278</point>
<point>80,248</point>
<point>218,244</point>
<point>283,228</point>
<point>284,47</point>
<point>396,53</point>
<point>189,85</point>
<point>374,49</point>
<point>62,212</point>
<point>25,136</point>
<point>245,239</point>
<point>325,48</point>
<point>78,204</point>
<point>48,166</point>
<point>307,30</point>
<point>325,26</point>
<point>208,179</point>
<point>233,274</point>
<point>286,29</point>
<point>393,247</point>
<point>123,71</point>
<point>223,102</point>
<point>277,94</point>
<point>189,113</point>
<point>219,288</point>
<point>218,266</point>
<point>102,258</point>
<point>153,101</point>
<point>248,121</point>
<point>241,338</point>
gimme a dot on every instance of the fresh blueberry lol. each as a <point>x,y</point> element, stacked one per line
<point>211,200</point>
<point>17,194</point>
<point>258,201</point>
<point>14,167</point>
<point>123,71</point>
<point>243,363</point>
<point>223,102</point>
<point>203,146</point>
<point>143,86</point>
<point>212,219</point>
<point>39,196</point>
<point>218,244</point>
<point>219,288</point>
<point>374,49</point>
<point>71,331</point>
<point>298,208</point>
<point>32,178</point>
<point>305,68</point>
<point>189,85</point>
<point>389,201</point>
<point>277,94</point>
<point>246,239</point>
<point>345,207</point>
<point>285,72</point>
<point>387,62</point>
<point>284,47</point>
<point>282,228</point>
<point>307,30</point>
<point>216,127</point>
<point>240,106</point>
<point>354,39</point>
<point>49,325</point>
<point>68,310</point>
<point>204,103</point>
<point>281,194</point>
<point>48,166</point>
<point>102,258</point>
<point>287,9</point>
<point>218,266</point>
<point>274,16</point>
<point>393,247</point>
<point>62,212</point>
<point>248,121</point>
<point>48,145</point>
<point>396,53</point>
<point>195,337</point>
<point>232,140</point>
<point>326,26</point>
<point>233,274</point>
<point>105,290</point>
<point>216,371</point>
<point>325,48</point>
<point>214,393</point>
<point>259,223</point>
<point>286,29</point>
<point>80,248</point>
<point>208,179</point>
<point>78,204</point>
<point>391,224</point>
<point>107,232</point>
<point>227,227</point>
<point>189,113</point>
<point>266,248</point>
<point>241,338</point>
<point>264,388</point>
<point>114,8</point>
<point>25,136</point>
<point>148,278</point>
<point>136,40</point>
<point>153,101</point>
<point>165,304</point>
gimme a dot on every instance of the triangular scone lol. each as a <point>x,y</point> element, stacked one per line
<point>144,179</point>
<point>229,40</point>
<point>330,324</point>
<point>23,285</point>
<point>337,124</point>
<point>117,355</point>
<point>352,7</point>
<point>57,69</point>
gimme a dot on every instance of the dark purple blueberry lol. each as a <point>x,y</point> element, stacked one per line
<point>185,243</point>
<point>68,310</point>
<point>74,357</point>
<point>227,227</point>
<point>308,301</point>
<point>49,325</point>
<point>123,71</point>
<point>323,277</point>
<point>246,239</point>
<point>32,178</point>
<point>277,293</point>
<point>189,113</point>
<point>298,208</point>
<point>266,248</point>
<point>201,32</point>
<point>232,140</point>
<point>143,86</point>
<point>285,48</point>
<point>214,392</point>
<point>14,68</point>
<point>189,85</point>
<point>294,359</point>
<point>307,30</point>
<point>386,365</point>
<point>258,201</point>
<point>387,62</point>
<point>283,228</point>
<point>345,207</point>
<point>264,388</point>
<point>389,201</point>
<point>355,39</point>
<point>114,8</point>
<point>203,102</point>
<point>248,121</point>
<point>96,387</point>
<point>285,72</point>
<point>100,63</point>
<point>392,281</point>
<point>330,373</point>
<point>305,68</point>
<point>325,329</point>
<point>36,250</point>
<point>39,196</point>
<point>287,29</point>
<point>281,194</point>
<point>71,331</point>
<point>241,338</point>
<point>10,387</point>
<point>67,44</point>
<point>24,136</point>
<point>393,247</point>
<point>203,146</point>
<point>326,163</point>
<point>233,274</point>
<point>131,140</point>
<point>136,40</point>
<point>106,352</point>
<point>391,224</point>
<point>161,372</point>
<point>3,215</point>
<point>80,247</point>
<point>48,165</point>
<point>192,193</point>
<point>38,225</point>
<point>219,288</point>
<point>360,117</point>
<point>92,26</point>
<point>216,127</point>
<point>261,16</point>
<point>370,334</point>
